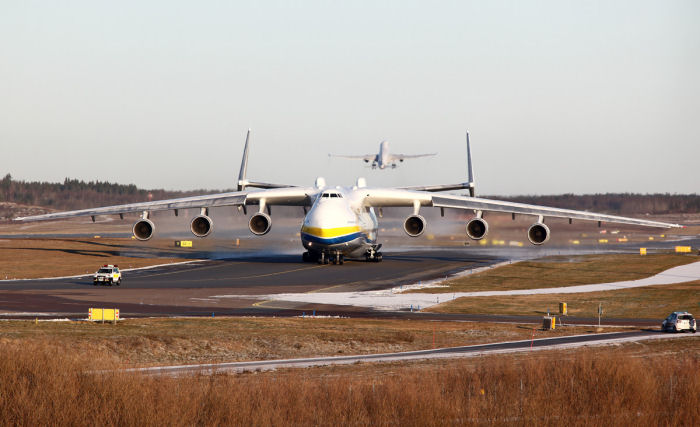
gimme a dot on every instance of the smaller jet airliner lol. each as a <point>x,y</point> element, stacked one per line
<point>341,222</point>
<point>384,159</point>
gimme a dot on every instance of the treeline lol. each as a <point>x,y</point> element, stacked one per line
<point>618,203</point>
<point>78,194</point>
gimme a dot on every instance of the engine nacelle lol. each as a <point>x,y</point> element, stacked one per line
<point>414,225</point>
<point>143,229</point>
<point>260,223</point>
<point>538,233</point>
<point>477,228</point>
<point>201,226</point>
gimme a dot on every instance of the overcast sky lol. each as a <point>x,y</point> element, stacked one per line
<point>558,96</point>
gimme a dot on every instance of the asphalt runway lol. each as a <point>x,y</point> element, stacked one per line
<point>186,289</point>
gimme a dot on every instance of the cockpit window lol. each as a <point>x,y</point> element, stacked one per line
<point>329,195</point>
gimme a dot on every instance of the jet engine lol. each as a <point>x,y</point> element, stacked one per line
<point>260,223</point>
<point>538,233</point>
<point>143,229</point>
<point>201,226</point>
<point>414,225</point>
<point>477,228</point>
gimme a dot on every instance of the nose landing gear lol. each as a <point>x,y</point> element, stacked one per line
<point>336,258</point>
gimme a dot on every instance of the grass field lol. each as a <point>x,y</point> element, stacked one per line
<point>35,258</point>
<point>45,367</point>
<point>646,302</point>
<point>142,342</point>
<point>566,271</point>
<point>43,385</point>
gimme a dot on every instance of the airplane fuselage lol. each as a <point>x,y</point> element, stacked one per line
<point>338,224</point>
<point>383,157</point>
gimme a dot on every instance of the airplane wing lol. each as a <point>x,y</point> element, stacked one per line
<point>416,199</point>
<point>273,194</point>
<point>289,196</point>
<point>401,157</point>
<point>479,204</point>
<point>365,157</point>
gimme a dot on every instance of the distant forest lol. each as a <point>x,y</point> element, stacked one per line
<point>618,203</point>
<point>78,194</point>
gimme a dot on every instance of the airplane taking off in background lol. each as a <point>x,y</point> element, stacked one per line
<point>384,158</point>
<point>340,222</point>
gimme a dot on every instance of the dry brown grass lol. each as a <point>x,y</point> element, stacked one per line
<point>43,386</point>
<point>142,342</point>
<point>567,271</point>
<point>35,258</point>
<point>646,302</point>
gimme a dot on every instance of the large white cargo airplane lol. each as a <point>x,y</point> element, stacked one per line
<point>341,221</point>
<point>384,158</point>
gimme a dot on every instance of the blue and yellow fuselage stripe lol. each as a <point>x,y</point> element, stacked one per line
<point>331,236</point>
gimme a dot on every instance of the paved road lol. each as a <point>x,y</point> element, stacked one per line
<point>453,352</point>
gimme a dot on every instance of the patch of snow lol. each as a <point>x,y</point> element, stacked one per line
<point>8,313</point>
<point>392,299</point>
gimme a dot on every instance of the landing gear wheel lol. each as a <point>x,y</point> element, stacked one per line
<point>341,260</point>
<point>378,257</point>
<point>306,257</point>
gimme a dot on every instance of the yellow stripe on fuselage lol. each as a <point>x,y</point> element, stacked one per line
<point>327,233</point>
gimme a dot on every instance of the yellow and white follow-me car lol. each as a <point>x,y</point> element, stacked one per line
<point>107,274</point>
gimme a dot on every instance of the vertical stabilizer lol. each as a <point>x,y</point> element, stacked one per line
<point>470,171</point>
<point>242,182</point>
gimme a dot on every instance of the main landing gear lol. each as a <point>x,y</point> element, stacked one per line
<point>373,254</point>
<point>376,257</point>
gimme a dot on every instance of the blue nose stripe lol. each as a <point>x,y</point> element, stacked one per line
<point>330,240</point>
